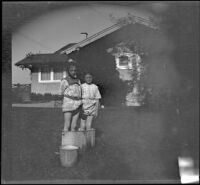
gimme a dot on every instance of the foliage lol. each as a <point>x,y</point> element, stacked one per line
<point>131,19</point>
<point>44,97</point>
<point>123,20</point>
<point>29,54</point>
<point>17,97</point>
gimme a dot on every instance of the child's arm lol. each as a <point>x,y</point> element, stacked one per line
<point>97,96</point>
<point>63,86</point>
<point>96,108</point>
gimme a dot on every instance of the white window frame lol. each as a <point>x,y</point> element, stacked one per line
<point>51,77</point>
<point>129,66</point>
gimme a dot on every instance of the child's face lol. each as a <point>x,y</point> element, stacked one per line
<point>88,78</point>
<point>73,71</point>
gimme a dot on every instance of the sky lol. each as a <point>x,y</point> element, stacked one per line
<point>53,30</point>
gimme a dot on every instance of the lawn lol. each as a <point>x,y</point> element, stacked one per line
<point>130,145</point>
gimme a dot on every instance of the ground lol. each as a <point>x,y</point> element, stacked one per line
<point>131,144</point>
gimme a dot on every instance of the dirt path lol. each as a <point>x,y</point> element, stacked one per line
<point>50,104</point>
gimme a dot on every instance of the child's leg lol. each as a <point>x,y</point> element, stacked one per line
<point>67,120</point>
<point>83,121</point>
<point>74,120</point>
<point>89,122</point>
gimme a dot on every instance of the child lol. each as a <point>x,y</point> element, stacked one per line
<point>90,100</point>
<point>71,91</point>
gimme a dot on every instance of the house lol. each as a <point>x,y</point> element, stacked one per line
<point>46,71</point>
<point>112,55</point>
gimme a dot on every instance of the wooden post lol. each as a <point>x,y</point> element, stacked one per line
<point>81,140</point>
<point>68,138</point>
<point>90,137</point>
<point>75,138</point>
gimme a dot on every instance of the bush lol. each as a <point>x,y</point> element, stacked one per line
<point>15,97</point>
<point>36,97</point>
<point>44,97</point>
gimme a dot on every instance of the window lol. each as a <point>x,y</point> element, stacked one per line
<point>57,74</point>
<point>50,74</point>
<point>45,74</point>
<point>124,61</point>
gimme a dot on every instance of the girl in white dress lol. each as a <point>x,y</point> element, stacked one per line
<point>90,102</point>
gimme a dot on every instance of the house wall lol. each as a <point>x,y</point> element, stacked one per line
<point>95,58</point>
<point>42,88</point>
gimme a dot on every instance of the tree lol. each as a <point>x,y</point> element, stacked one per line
<point>131,19</point>
<point>29,54</point>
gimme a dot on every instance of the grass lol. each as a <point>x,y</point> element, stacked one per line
<point>130,145</point>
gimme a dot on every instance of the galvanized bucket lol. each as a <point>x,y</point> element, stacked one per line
<point>68,155</point>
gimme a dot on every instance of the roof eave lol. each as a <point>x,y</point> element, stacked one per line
<point>26,63</point>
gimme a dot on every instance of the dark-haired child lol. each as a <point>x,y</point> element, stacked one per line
<point>71,90</point>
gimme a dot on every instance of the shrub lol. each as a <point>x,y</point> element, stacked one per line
<point>44,97</point>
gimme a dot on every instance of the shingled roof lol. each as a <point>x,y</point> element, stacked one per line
<point>45,58</point>
<point>65,47</point>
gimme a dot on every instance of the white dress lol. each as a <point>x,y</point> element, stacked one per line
<point>72,90</point>
<point>90,97</point>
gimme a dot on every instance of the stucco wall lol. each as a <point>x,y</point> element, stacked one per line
<point>42,88</point>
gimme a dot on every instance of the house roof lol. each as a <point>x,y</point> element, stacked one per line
<point>65,47</point>
<point>45,58</point>
<point>61,54</point>
<point>105,32</point>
